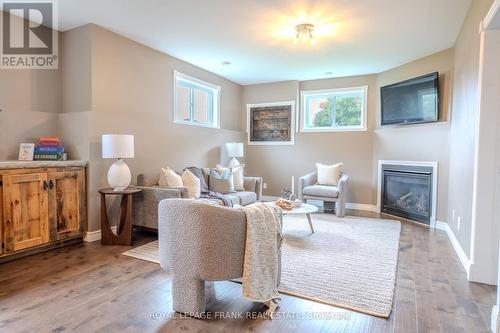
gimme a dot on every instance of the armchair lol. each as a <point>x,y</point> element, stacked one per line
<point>199,243</point>
<point>310,189</point>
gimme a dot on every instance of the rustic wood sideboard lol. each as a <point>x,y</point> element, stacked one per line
<point>42,206</point>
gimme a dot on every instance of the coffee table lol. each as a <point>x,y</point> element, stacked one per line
<point>305,208</point>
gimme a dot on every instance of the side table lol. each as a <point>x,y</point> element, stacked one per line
<point>124,229</point>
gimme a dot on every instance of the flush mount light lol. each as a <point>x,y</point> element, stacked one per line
<point>305,33</point>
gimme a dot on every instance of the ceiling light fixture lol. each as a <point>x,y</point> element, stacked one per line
<point>305,33</point>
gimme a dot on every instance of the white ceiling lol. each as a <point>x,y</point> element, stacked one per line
<point>361,36</point>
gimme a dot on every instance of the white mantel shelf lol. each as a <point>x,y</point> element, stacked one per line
<point>41,164</point>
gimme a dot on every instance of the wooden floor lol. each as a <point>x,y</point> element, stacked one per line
<point>91,288</point>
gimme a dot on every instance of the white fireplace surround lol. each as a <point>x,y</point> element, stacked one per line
<point>433,165</point>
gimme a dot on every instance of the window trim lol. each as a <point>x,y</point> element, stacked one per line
<point>364,110</point>
<point>205,85</point>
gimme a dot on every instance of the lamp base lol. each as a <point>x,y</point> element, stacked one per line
<point>234,163</point>
<point>119,176</point>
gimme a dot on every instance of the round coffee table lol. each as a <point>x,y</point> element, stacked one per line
<point>305,208</point>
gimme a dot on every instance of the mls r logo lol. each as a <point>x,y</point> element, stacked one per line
<point>27,28</point>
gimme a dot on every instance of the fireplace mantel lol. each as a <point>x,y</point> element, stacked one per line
<point>433,165</point>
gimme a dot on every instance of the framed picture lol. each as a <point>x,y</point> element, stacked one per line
<point>26,151</point>
<point>271,123</point>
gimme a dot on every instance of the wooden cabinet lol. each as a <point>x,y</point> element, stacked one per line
<point>66,207</point>
<point>41,208</point>
<point>25,220</point>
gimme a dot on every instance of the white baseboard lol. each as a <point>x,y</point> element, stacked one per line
<point>495,325</point>
<point>92,236</point>
<point>456,245</point>
<point>357,206</point>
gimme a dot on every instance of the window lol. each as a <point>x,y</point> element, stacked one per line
<point>334,110</point>
<point>195,102</point>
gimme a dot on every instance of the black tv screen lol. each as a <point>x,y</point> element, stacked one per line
<point>411,101</point>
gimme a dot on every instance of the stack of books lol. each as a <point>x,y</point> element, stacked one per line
<point>48,148</point>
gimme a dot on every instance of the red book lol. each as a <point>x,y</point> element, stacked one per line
<point>48,141</point>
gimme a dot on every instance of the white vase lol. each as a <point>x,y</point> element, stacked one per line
<point>119,176</point>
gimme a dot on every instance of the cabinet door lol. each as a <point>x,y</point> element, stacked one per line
<point>66,204</point>
<point>25,211</point>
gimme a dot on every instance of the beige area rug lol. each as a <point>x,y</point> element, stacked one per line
<point>349,262</point>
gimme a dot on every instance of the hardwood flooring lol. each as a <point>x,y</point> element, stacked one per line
<point>92,288</point>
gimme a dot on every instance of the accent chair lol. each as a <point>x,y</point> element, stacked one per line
<point>309,189</point>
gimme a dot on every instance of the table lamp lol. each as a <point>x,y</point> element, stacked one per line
<point>234,150</point>
<point>118,146</point>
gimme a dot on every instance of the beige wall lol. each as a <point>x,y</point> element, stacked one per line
<point>30,100</point>
<point>131,93</point>
<point>423,142</point>
<point>110,84</point>
<point>359,151</point>
<point>277,164</point>
<point>463,122</point>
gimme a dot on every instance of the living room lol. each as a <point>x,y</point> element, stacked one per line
<point>114,77</point>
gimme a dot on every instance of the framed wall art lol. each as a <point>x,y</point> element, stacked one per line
<point>271,123</point>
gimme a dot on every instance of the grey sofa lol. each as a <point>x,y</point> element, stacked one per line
<point>200,242</point>
<point>145,212</point>
<point>309,189</point>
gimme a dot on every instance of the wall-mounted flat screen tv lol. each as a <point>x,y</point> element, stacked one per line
<point>412,101</point>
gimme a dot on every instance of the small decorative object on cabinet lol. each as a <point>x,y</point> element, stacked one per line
<point>271,123</point>
<point>26,151</point>
<point>124,230</point>
<point>42,206</point>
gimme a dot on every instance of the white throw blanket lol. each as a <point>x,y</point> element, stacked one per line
<point>260,270</point>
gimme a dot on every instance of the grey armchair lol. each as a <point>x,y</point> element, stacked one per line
<point>310,189</point>
<point>199,243</point>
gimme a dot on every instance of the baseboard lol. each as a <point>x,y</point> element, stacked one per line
<point>456,245</point>
<point>495,325</point>
<point>92,236</point>
<point>366,207</point>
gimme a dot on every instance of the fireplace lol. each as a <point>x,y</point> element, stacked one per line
<point>407,191</point>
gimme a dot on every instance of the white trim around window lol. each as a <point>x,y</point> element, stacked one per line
<point>304,95</point>
<point>194,84</point>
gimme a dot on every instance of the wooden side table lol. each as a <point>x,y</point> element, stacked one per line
<point>124,229</point>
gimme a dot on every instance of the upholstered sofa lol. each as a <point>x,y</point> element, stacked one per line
<point>309,189</point>
<point>200,243</point>
<point>145,212</point>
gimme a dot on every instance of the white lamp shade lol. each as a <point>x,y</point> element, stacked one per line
<point>117,146</point>
<point>234,149</point>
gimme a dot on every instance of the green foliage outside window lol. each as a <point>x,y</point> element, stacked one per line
<point>347,112</point>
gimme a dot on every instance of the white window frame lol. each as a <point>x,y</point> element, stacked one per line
<point>206,85</point>
<point>364,109</point>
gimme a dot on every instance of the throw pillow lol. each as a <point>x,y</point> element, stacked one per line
<point>237,171</point>
<point>198,172</point>
<point>169,177</point>
<point>192,183</point>
<point>329,174</point>
<point>221,182</point>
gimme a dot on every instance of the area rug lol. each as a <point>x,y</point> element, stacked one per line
<point>349,262</point>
